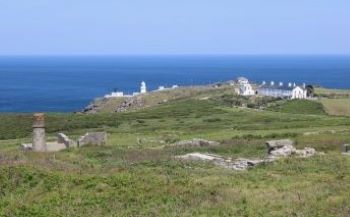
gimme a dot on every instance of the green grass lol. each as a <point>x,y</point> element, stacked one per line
<point>298,107</point>
<point>159,186</point>
<point>340,107</point>
<point>135,175</point>
<point>331,93</point>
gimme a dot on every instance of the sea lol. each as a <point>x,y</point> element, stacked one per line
<point>69,83</point>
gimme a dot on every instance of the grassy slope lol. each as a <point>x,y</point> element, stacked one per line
<point>335,102</point>
<point>299,107</point>
<point>134,176</point>
<point>156,98</point>
<point>337,106</point>
<point>332,93</point>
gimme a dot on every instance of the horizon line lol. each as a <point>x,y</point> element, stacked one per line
<point>160,55</point>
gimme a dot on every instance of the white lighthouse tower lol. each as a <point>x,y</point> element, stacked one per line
<point>143,88</point>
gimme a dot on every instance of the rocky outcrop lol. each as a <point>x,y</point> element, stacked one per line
<point>91,109</point>
<point>94,106</point>
<point>306,152</point>
<point>281,151</point>
<point>273,145</point>
<point>194,143</point>
<point>285,148</point>
<point>131,103</point>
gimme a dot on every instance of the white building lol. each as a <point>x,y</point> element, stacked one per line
<point>114,95</point>
<point>292,91</point>
<point>245,88</point>
<point>299,93</point>
<point>143,88</point>
<point>242,80</point>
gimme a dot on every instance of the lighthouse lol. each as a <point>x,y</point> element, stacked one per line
<point>143,88</point>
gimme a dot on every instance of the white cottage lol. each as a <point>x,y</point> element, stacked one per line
<point>299,93</point>
<point>245,88</point>
<point>290,91</point>
<point>114,95</point>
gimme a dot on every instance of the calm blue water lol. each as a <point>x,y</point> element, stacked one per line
<point>29,84</point>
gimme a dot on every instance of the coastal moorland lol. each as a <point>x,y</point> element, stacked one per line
<point>137,174</point>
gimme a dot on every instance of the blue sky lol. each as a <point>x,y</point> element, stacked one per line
<point>149,27</point>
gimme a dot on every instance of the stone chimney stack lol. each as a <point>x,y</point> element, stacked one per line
<point>39,143</point>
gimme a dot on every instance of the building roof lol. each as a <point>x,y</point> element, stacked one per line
<point>242,80</point>
<point>278,87</point>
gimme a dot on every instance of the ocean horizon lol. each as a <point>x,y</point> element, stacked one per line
<point>69,83</point>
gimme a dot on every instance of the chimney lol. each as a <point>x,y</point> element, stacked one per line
<point>39,142</point>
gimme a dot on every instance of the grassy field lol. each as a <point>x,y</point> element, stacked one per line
<point>332,93</point>
<point>134,175</point>
<point>298,107</point>
<point>337,106</point>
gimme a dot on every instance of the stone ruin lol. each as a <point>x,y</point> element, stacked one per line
<point>346,149</point>
<point>238,164</point>
<point>276,149</point>
<point>195,143</point>
<point>62,142</point>
<point>63,139</point>
<point>96,138</point>
<point>285,148</point>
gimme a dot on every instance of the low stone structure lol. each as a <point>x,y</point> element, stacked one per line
<point>346,149</point>
<point>93,138</point>
<point>285,148</point>
<point>63,139</point>
<point>195,143</point>
<point>55,146</point>
<point>276,150</point>
<point>39,143</point>
<point>238,164</point>
<point>273,145</point>
<point>27,146</point>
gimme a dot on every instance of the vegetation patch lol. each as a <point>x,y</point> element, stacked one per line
<point>339,107</point>
<point>135,174</point>
<point>298,107</point>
